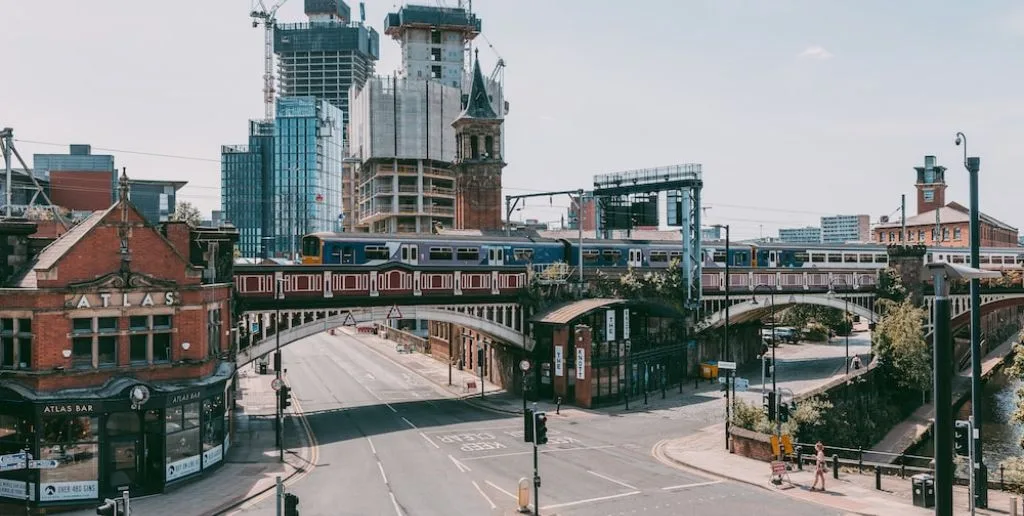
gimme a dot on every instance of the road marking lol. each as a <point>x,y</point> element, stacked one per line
<point>610,479</point>
<point>394,503</point>
<point>510,495</point>
<point>429,440</point>
<point>372,447</point>
<point>685,486</point>
<point>462,467</point>
<point>381,468</point>
<point>590,500</point>
<point>497,455</point>
<point>483,494</point>
<point>408,422</point>
<point>388,405</point>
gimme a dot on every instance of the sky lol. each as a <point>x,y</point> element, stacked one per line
<point>795,108</point>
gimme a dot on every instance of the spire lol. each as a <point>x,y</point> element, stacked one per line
<point>122,185</point>
<point>479,104</point>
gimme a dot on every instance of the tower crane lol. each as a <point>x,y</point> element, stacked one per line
<point>260,14</point>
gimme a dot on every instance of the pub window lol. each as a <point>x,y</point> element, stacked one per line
<point>94,342</point>
<point>15,343</point>
<point>213,422</point>
<point>73,442</point>
<point>16,433</point>
<point>149,338</point>
<point>181,424</point>
<point>213,329</point>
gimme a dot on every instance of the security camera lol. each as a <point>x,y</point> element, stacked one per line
<point>957,140</point>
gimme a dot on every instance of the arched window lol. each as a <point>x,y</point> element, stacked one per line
<point>474,147</point>
<point>489,146</point>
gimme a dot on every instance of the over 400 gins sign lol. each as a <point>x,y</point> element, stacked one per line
<point>122,299</point>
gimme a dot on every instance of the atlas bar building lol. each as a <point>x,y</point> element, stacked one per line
<point>114,357</point>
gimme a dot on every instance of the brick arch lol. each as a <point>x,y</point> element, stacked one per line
<point>964,319</point>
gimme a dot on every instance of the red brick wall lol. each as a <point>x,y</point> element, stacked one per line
<point>751,444</point>
<point>478,201</point>
<point>179,234</point>
<point>990,236</point>
<point>86,191</point>
<point>938,201</point>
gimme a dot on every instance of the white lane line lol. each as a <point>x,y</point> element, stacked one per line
<point>429,440</point>
<point>590,500</point>
<point>483,494</point>
<point>556,450</point>
<point>372,447</point>
<point>381,468</point>
<point>388,405</point>
<point>408,422</point>
<point>394,503</point>
<point>510,495</point>
<point>462,467</point>
<point>610,479</point>
<point>698,484</point>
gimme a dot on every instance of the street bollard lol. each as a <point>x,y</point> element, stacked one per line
<point>799,458</point>
<point>878,478</point>
<point>1013,506</point>
<point>524,495</point>
<point>1002,486</point>
<point>860,461</point>
<point>835,466</point>
<point>558,405</point>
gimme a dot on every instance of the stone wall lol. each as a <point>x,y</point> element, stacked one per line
<point>908,261</point>
<point>413,342</point>
<point>744,345</point>
<point>747,443</point>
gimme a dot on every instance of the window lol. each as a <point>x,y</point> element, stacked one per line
<point>150,338</point>
<point>920,235</point>
<point>94,342</point>
<point>213,330</point>
<point>213,423</point>
<point>489,146</point>
<point>181,424</point>
<point>435,37</point>
<point>662,256</point>
<point>467,253</point>
<point>376,252</point>
<point>523,254</point>
<point>73,442</point>
<point>928,195</point>
<point>945,234</point>
<point>440,253</point>
<point>956,233</point>
<point>435,54</point>
<point>474,147</point>
<point>435,72</point>
<point>591,255</point>
<point>16,343</point>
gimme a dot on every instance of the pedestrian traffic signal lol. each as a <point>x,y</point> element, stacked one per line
<point>768,367</point>
<point>277,360</point>
<point>286,397</point>
<point>783,412</point>
<point>291,505</point>
<point>109,508</point>
<point>962,438</point>
<point>528,426</point>
<point>769,405</point>
<point>540,428</point>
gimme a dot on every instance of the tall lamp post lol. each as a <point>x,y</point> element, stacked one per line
<point>725,345</point>
<point>279,293</point>
<point>846,315</point>
<point>979,472</point>
<point>774,369</point>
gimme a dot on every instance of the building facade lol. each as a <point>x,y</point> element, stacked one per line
<point>804,235</point>
<point>434,42</point>
<point>246,172</point>
<point>583,211</point>
<point>478,160</point>
<point>156,200</point>
<point>79,180</point>
<point>839,229</point>
<point>115,359</point>
<point>326,56</point>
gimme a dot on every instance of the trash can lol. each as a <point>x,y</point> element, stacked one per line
<point>923,489</point>
<point>709,370</point>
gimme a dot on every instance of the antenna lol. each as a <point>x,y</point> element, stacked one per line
<point>259,14</point>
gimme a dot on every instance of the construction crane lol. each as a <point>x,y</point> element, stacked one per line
<point>260,14</point>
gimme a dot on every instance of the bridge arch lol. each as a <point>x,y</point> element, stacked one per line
<point>743,308</point>
<point>960,308</point>
<point>503,322</point>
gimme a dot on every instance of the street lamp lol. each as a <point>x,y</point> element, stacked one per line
<point>846,314</point>
<point>278,430</point>
<point>774,370</point>
<point>725,345</point>
<point>980,473</point>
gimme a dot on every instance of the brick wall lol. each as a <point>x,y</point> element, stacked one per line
<point>751,444</point>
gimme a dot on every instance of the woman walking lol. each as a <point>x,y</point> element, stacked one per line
<point>819,466</point>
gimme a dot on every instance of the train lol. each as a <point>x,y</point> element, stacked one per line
<point>374,249</point>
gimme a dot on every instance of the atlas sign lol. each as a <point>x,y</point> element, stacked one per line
<point>123,299</point>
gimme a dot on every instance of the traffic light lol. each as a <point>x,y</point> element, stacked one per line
<point>783,412</point>
<point>277,360</point>
<point>768,367</point>
<point>109,508</point>
<point>540,428</point>
<point>962,438</point>
<point>286,397</point>
<point>291,505</point>
<point>769,405</point>
<point>528,426</point>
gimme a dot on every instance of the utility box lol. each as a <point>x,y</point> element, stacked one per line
<point>923,490</point>
<point>709,370</point>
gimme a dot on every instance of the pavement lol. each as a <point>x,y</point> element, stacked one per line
<point>249,470</point>
<point>852,493</point>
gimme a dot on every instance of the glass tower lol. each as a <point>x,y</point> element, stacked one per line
<point>246,173</point>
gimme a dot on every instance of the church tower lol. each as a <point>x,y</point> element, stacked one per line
<point>478,160</point>
<point>931,186</point>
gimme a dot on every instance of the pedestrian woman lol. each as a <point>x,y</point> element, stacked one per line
<point>819,466</point>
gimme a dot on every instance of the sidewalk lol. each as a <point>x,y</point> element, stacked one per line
<point>251,464</point>
<point>853,493</point>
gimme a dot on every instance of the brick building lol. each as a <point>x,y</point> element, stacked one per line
<point>114,356</point>
<point>938,223</point>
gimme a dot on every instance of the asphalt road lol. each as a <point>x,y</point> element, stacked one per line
<point>390,444</point>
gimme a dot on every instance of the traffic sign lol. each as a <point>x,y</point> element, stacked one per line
<point>254,327</point>
<point>350,320</point>
<point>394,312</point>
<point>524,365</point>
<point>727,365</point>
<point>42,464</point>
<point>276,384</point>
<point>13,458</point>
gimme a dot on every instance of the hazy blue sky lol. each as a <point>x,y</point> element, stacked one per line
<point>796,108</point>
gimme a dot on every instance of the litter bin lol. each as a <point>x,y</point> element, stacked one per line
<point>709,370</point>
<point>923,490</point>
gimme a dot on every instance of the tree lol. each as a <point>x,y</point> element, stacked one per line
<point>186,212</point>
<point>890,286</point>
<point>899,343</point>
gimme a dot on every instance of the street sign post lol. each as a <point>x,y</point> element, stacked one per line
<point>254,327</point>
<point>43,464</point>
<point>276,384</point>
<point>524,365</point>
<point>726,365</point>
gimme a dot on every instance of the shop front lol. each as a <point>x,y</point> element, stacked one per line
<point>127,436</point>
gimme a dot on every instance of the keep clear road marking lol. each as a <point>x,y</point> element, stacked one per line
<point>610,479</point>
<point>429,440</point>
<point>510,495</point>
<point>685,486</point>
<point>590,500</point>
<point>462,467</point>
<point>497,455</point>
<point>483,494</point>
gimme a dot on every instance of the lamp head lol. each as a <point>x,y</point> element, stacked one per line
<point>957,141</point>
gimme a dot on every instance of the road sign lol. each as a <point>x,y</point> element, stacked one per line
<point>276,384</point>
<point>42,464</point>
<point>349,319</point>
<point>254,327</point>
<point>727,365</point>
<point>394,312</point>
<point>13,458</point>
<point>524,365</point>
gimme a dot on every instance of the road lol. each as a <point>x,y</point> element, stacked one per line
<point>390,443</point>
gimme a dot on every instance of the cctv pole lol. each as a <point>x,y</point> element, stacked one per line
<point>536,469</point>
<point>941,355</point>
<point>730,375</point>
<point>579,225</point>
<point>846,317</point>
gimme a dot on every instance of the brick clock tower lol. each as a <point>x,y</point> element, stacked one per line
<point>478,160</point>
<point>931,186</point>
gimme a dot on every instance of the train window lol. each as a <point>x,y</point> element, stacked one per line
<point>662,256</point>
<point>376,252</point>
<point>958,258</point>
<point>591,255</point>
<point>835,257</point>
<point>675,255</point>
<point>440,253</point>
<point>467,253</point>
<point>719,257</point>
<point>1020,258</point>
<point>817,257</point>
<point>523,254</point>
<point>849,258</point>
<point>800,257</point>
<point>986,259</point>
<point>335,255</point>
<point>310,246</point>
<point>612,254</point>
<point>866,258</point>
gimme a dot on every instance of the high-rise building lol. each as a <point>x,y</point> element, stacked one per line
<point>287,182</point>
<point>433,41</point>
<point>839,229</point>
<point>155,200</point>
<point>804,235</point>
<point>79,180</point>
<point>326,56</point>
